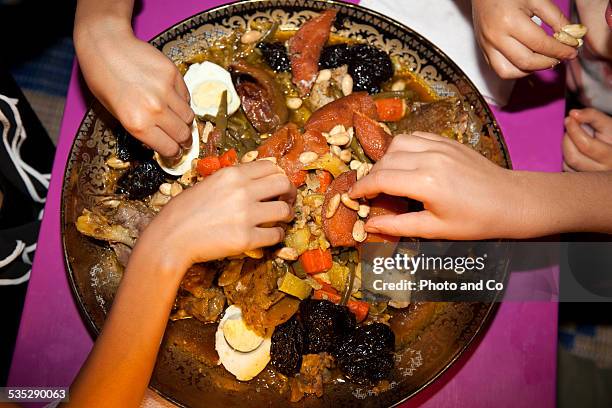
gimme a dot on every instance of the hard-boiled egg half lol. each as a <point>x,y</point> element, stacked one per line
<point>206,82</point>
<point>241,351</point>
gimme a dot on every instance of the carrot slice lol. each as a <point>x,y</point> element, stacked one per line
<point>325,179</point>
<point>228,158</point>
<point>316,261</point>
<point>208,165</point>
<point>390,109</point>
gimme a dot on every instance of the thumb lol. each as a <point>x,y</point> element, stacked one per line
<point>421,224</point>
<point>590,116</point>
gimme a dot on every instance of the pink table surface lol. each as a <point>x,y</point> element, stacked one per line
<point>512,365</point>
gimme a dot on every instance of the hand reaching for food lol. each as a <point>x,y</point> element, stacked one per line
<point>587,144</point>
<point>230,212</point>
<point>512,43</point>
<point>141,87</point>
<point>462,191</point>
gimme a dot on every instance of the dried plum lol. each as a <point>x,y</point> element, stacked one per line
<point>275,55</point>
<point>141,180</point>
<point>287,347</point>
<point>334,56</point>
<point>369,67</point>
<point>365,356</point>
<point>130,149</point>
<point>324,323</point>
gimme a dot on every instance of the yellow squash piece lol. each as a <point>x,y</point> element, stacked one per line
<point>294,286</point>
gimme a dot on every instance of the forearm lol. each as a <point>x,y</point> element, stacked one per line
<point>119,366</point>
<point>564,202</point>
<point>94,16</point>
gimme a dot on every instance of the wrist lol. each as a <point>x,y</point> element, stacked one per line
<point>92,31</point>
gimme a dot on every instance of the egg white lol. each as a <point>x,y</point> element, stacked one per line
<point>206,82</point>
<point>185,164</point>
<point>244,366</point>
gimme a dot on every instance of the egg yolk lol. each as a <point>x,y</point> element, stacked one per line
<point>207,95</point>
<point>239,336</point>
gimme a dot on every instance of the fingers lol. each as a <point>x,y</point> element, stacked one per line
<point>394,182</point>
<point>576,159</point>
<point>549,13</point>
<point>589,146</point>
<point>273,211</point>
<point>415,142</point>
<point>263,237</point>
<point>259,169</point>
<point>597,119</point>
<point>536,39</point>
<point>524,58</point>
<point>181,108</point>
<point>415,224</point>
<point>175,127</point>
<point>502,66</point>
<point>159,141</point>
<point>271,186</point>
<point>181,88</point>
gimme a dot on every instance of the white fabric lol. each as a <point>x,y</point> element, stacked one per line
<point>448,24</point>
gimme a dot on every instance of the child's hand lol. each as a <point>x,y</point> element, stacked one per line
<point>465,195</point>
<point>138,84</point>
<point>223,215</point>
<point>585,152</point>
<point>512,43</point>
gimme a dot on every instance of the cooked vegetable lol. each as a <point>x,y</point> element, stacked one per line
<point>141,180</point>
<point>324,324</point>
<point>228,158</point>
<point>325,179</point>
<point>365,355</point>
<point>298,239</point>
<point>208,165</point>
<point>294,286</point>
<point>390,109</point>
<point>316,261</point>
<point>338,276</point>
<point>287,347</point>
<point>330,163</point>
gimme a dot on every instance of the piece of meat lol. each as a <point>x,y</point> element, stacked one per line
<point>198,279</point>
<point>98,227</point>
<point>122,252</point>
<point>280,142</point>
<point>314,372</point>
<point>373,138</point>
<point>132,215</point>
<point>305,49</point>
<point>341,111</point>
<point>444,117</point>
<point>214,138</point>
<point>384,204</point>
<point>262,100</point>
<point>307,142</point>
<point>205,308</point>
<point>339,228</point>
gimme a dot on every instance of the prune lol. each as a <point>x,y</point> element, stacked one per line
<point>369,67</point>
<point>141,180</point>
<point>324,323</point>
<point>287,347</point>
<point>129,149</point>
<point>275,55</point>
<point>335,56</point>
<point>365,356</point>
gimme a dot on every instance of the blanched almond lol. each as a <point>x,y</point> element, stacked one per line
<point>347,85</point>
<point>349,202</point>
<point>337,129</point>
<point>359,232</point>
<point>249,156</point>
<point>566,39</point>
<point>339,139</point>
<point>324,75</point>
<point>345,155</point>
<point>308,157</point>
<point>250,37</point>
<point>332,206</point>
<point>364,211</point>
<point>575,30</point>
<point>287,253</point>
<point>115,163</point>
<point>354,164</point>
<point>176,189</point>
<point>165,188</point>
<point>398,85</point>
<point>294,103</point>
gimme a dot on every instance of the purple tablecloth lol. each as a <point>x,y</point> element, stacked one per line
<point>513,364</point>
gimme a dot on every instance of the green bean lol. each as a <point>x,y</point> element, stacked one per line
<point>405,94</point>
<point>358,150</point>
<point>221,118</point>
<point>269,35</point>
<point>348,287</point>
